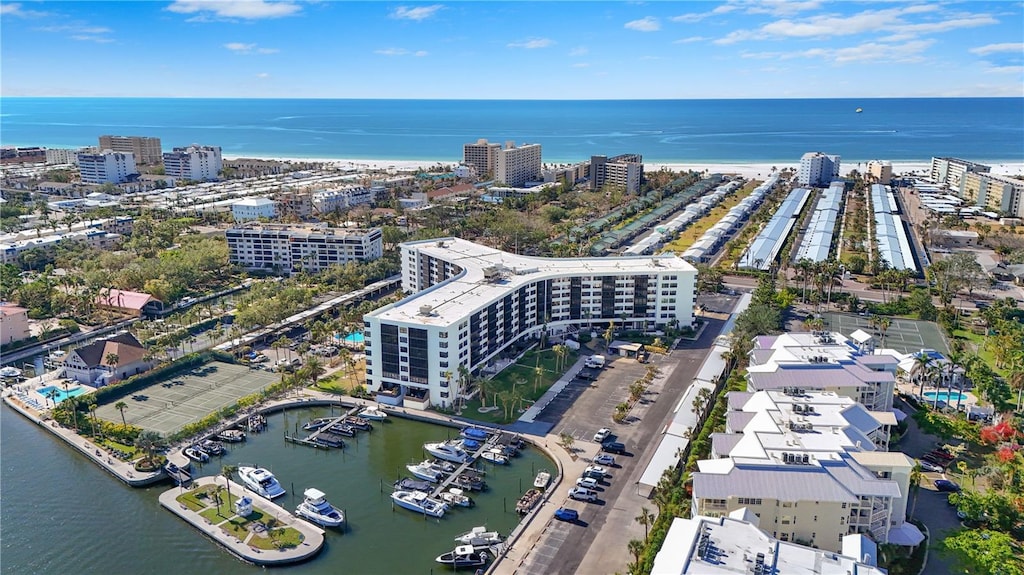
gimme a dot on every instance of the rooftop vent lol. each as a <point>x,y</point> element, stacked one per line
<point>426,310</point>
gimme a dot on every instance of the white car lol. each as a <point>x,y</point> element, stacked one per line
<point>929,466</point>
<point>604,459</point>
<point>602,434</point>
<point>582,494</point>
<point>586,483</point>
<point>595,471</point>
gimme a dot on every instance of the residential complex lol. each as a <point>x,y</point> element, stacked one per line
<point>625,171</point>
<point>146,150</point>
<point>817,169</point>
<point>517,165</point>
<point>950,171</point>
<point>470,303</point>
<point>341,199</point>
<point>248,209</point>
<point>195,162</point>
<point>999,194</point>
<point>879,172</point>
<point>62,156</point>
<point>483,156</point>
<point>13,323</point>
<point>107,167</point>
<point>287,249</point>
<point>102,234</point>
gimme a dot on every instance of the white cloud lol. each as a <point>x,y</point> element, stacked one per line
<point>421,53</point>
<point>401,52</point>
<point>581,65</point>
<point>532,43</point>
<point>907,52</point>
<point>418,13</point>
<point>92,38</point>
<point>1017,47</point>
<point>16,9</point>
<point>689,40</point>
<point>242,48</point>
<point>698,16</point>
<point>782,7</point>
<point>579,51</point>
<point>230,9</point>
<point>648,24</point>
<point>262,75</point>
<point>81,32</point>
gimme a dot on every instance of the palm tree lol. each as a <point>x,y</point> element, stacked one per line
<point>313,370</point>
<point>92,410</point>
<point>51,395</point>
<point>121,406</point>
<point>148,441</point>
<point>217,500</point>
<point>646,518</point>
<point>922,361</point>
<point>226,471</point>
<point>111,360</point>
<point>883,323</point>
<point>608,334</point>
<point>538,375</point>
<point>636,547</point>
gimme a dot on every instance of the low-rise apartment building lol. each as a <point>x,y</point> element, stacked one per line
<point>950,171</point>
<point>1000,194</point>
<point>287,249</point>
<point>248,209</point>
<point>13,323</point>
<point>341,199</point>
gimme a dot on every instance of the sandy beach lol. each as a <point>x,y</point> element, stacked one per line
<point>747,170</point>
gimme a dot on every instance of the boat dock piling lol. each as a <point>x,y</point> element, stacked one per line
<point>327,441</point>
<point>491,442</point>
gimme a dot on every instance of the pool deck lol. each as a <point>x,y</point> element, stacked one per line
<point>313,536</point>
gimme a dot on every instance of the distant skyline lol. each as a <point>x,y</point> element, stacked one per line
<point>512,50</point>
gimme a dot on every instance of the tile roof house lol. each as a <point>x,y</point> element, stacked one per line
<point>90,364</point>
<point>130,302</point>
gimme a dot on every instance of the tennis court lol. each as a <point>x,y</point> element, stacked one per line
<point>188,396</point>
<point>903,335</point>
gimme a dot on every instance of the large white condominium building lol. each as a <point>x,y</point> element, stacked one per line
<point>741,544</point>
<point>625,171</point>
<point>62,155</point>
<point>999,194</point>
<point>106,167</point>
<point>483,156</point>
<point>817,169</point>
<point>811,466</point>
<point>950,171</point>
<point>518,165</point>
<point>471,302</point>
<point>824,361</point>
<point>146,150</point>
<point>288,249</point>
<point>197,163</point>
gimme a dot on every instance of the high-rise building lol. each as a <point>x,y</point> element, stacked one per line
<point>1000,194</point>
<point>147,150</point>
<point>879,172</point>
<point>625,171</point>
<point>483,156</point>
<point>817,169</point>
<point>288,249</point>
<point>195,162</point>
<point>107,167</point>
<point>950,171</point>
<point>518,165</point>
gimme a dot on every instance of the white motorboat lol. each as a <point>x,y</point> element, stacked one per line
<point>419,502</point>
<point>480,537</point>
<point>315,508</point>
<point>464,556</point>
<point>495,456</point>
<point>373,413</point>
<point>457,497</point>
<point>195,454</point>
<point>231,435</point>
<point>425,471</point>
<point>542,479</point>
<point>448,452</point>
<point>318,423</point>
<point>261,481</point>
<point>212,447</point>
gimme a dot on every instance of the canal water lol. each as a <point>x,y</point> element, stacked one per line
<point>60,512</point>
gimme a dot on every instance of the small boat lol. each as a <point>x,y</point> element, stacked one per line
<point>448,452</point>
<point>343,429</point>
<point>495,456</point>
<point>475,433</point>
<point>318,423</point>
<point>373,413</point>
<point>315,508</point>
<point>425,471</point>
<point>464,556</point>
<point>528,501</point>
<point>443,466</point>
<point>179,475</point>
<point>261,481</point>
<point>471,444</point>
<point>195,454</point>
<point>256,423</point>
<point>419,502</point>
<point>542,480</point>
<point>410,484</point>
<point>859,110</point>
<point>231,435</point>
<point>470,481</point>
<point>212,447</point>
<point>457,497</point>
<point>479,536</point>
<point>329,440</point>
<point>359,423</point>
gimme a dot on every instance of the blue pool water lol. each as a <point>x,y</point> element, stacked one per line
<point>60,394</point>
<point>356,338</point>
<point>944,396</point>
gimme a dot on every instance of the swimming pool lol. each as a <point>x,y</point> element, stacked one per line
<point>355,337</point>
<point>59,395</point>
<point>944,396</point>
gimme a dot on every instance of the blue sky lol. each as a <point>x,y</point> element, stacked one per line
<point>514,50</point>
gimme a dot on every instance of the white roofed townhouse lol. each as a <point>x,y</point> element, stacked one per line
<point>470,302</point>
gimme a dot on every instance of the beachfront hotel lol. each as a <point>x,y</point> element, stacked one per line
<point>817,169</point>
<point>483,156</point>
<point>470,303</point>
<point>195,162</point>
<point>518,165</point>
<point>146,150</point>
<point>287,249</point>
<point>625,171</point>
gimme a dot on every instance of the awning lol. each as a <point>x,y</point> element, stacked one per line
<point>907,535</point>
<point>900,416</point>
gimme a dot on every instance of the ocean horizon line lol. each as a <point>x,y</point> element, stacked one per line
<point>387,99</point>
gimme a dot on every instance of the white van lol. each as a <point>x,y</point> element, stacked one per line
<point>594,362</point>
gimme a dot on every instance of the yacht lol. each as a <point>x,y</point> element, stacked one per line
<point>261,481</point>
<point>315,508</point>
<point>448,452</point>
<point>495,456</point>
<point>542,479</point>
<point>373,413</point>
<point>195,454</point>
<point>464,556</point>
<point>231,435</point>
<point>457,497</point>
<point>479,537</point>
<point>425,471</point>
<point>419,502</point>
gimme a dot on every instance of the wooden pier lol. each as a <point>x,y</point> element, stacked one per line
<point>311,439</point>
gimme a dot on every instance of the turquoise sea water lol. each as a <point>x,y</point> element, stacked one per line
<point>990,129</point>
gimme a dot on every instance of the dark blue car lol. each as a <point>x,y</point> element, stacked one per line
<point>565,514</point>
<point>947,486</point>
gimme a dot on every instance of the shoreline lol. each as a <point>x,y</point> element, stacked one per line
<point>746,169</point>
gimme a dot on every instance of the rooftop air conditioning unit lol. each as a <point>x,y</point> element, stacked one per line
<point>426,310</point>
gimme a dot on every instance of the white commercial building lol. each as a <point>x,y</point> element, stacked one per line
<point>518,165</point>
<point>196,163</point>
<point>817,169</point>
<point>253,209</point>
<point>471,302</point>
<point>107,167</point>
<point>288,249</point>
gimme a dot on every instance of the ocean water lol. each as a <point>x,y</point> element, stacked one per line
<point>990,129</point>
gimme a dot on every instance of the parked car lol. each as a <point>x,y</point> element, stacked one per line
<point>947,486</point>
<point>604,459</point>
<point>602,434</point>
<point>582,494</point>
<point>565,514</point>
<point>595,471</point>
<point>930,466</point>
<point>613,447</point>
<point>586,483</point>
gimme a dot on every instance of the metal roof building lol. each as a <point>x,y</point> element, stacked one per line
<point>890,233</point>
<point>766,246</point>
<point>817,241</point>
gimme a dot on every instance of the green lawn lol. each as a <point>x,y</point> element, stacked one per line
<point>978,342</point>
<point>522,371</point>
<point>236,526</point>
<point>690,235</point>
<point>280,537</point>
